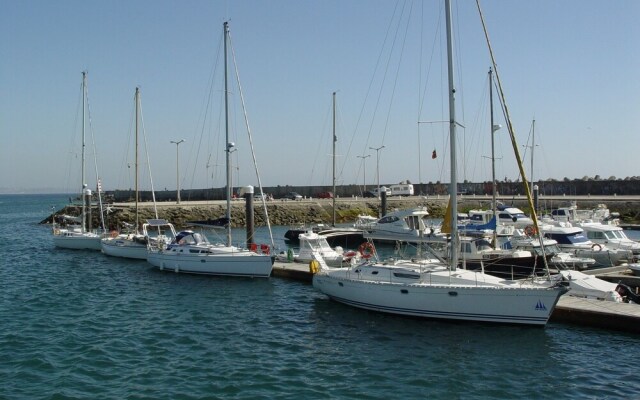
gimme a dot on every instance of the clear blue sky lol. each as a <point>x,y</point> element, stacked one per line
<point>572,65</point>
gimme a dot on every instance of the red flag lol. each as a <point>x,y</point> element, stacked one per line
<point>434,155</point>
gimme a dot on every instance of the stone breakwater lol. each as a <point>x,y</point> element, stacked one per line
<point>314,211</point>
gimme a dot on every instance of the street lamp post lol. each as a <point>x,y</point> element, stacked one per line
<point>177,143</point>
<point>364,168</point>
<point>377,149</point>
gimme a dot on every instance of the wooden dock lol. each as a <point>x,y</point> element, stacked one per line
<point>597,313</point>
<point>292,270</point>
<point>570,310</point>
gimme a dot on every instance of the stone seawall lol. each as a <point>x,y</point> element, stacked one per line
<point>565,187</point>
<point>287,213</point>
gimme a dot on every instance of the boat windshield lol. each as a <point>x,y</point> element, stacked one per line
<point>553,248</point>
<point>483,244</point>
<point>621,235</point>
<point>189,237</point>
<point>611,235</point>
<point>577,238</point>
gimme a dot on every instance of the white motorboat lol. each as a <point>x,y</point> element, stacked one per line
<point>430,287</point>
<point>313,245</point>
<point>406,225</point>
<point>191,252</point>
<point>572,239</point>
<point>81,236</point>
<point>610,235</point>
<point>556,257</point>
<point>506,216</point>
<point>590,287</point>
<point>573,214</point>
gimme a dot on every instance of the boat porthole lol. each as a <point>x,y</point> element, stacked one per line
<point>404,291</point>
<point>203,261</point>
<point>453,294</point>
<point>340,284</point>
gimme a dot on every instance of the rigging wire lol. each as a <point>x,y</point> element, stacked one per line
<point>514,142</point>
<point>95,161</point>
<point>253,154</point>
<point>146,151</point>
<point>319,146</point>
<point>370,87</point>
<point>204,112</point>
<point>73,155</point>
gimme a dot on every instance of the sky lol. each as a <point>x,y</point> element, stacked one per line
<point>572,66</point>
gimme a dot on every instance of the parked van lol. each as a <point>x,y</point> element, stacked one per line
<point>403,189</point>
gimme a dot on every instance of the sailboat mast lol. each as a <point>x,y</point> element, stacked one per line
<point>533,145</point>
<point>335,139</point>
<point>494,201</point>
<point>453,188</point>
<point>226,129</point>
<point>137,100</point>
<point>84,101</point>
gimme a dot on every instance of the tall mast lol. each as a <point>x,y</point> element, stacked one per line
<point>84,101</point>
<point>137,100</point>
<point>226,129</point>
<point>533,144</point>
<point>453,188</point>
<point>493,157</point>
<point>494,128</point>
<point>335,139</point>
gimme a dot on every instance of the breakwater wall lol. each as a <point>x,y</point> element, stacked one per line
<point>585,187</point>
<point>314,211</point>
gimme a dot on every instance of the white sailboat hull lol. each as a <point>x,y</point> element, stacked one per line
<point>463,295</point>
<point>125,248</point>
<point>212,260</point>
<point>77,240</point>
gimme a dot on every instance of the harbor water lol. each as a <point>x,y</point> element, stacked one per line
<point>81,325</point>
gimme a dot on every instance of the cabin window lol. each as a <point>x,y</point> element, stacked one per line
<point>388,219</point>
<point>466,248</point>
<point>405,275</point>
<point>595,235</point>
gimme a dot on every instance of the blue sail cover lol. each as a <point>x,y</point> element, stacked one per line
<point>491,226</point>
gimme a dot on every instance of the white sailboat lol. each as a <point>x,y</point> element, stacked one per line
<point>80,236</point>
<point>432,288</point>
<point>134,244</point>
<point>191,252</point>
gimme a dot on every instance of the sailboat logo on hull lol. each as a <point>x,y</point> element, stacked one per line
<point>540,306</point>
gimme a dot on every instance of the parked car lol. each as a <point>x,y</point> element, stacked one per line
<point>325,195</point>
<point>292,196</point>
<point>369,193</point>
<point>259,196</point>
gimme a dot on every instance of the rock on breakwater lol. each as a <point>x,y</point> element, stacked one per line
<point>314,211</point>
